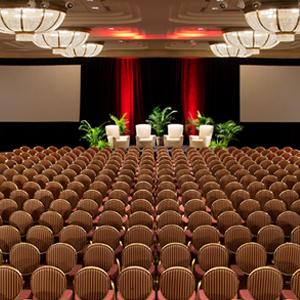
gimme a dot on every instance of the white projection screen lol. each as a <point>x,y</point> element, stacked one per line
<point>40,93</point>
<point>269,93</point>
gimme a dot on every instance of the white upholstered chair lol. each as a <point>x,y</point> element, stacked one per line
<point>115,139</point>
<point>204,137</point>
<point>143,136</point>
<point>174,138</point>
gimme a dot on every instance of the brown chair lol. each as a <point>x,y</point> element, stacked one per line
<point>176,283</point>
<point>24,257</point>
<point>137,254</point>
<point>139,289</point>
<point>288,220</point>
<point>52,220</point>
<point>235,236</point>
<point>111,218</point>
<point>115,205</point>
<point>218,283</point>
<point>77,187</point>
<point>254,187</point>
<point>264,283</point>
<point>55,188</point>
<point>45,196</point>
<point>214,195</point>
<point>295,235</point>
<point>288,197</point>
<point>174,254</point>
<point>144,205</point>
<point>49,280</point>
<point>11,284</point>
<point>270,236</point>
<point>34,207</point>
<point>263,197</point>
<point>61,206</point>
<point>210,256</point>
<point>228,219</point>
<point>248,206</point>
<point>171,234</point>
<point>19,196</point>
<point>220,206</point>
<point>102,256</point>
<point>9,236</point>
<point>248,257</point>
<point>71,196</point>
<point>75,236</point>
<point>93,195</point>
<point>198,218</point>
<point>140,218</point>
<point>93,281</point>
<point>89,206</point>
<point>62,256</point>
<point>294,288</point>
<point>82,219</point>
<point>19,180</point>
<point>7,187</point>
<point>238,196</point>
<point>41,237</point>
<point>169,217</point>
<point>257,220</point>
<point>274,208</point>
<point>7,207</point>
<point>139,234</point>
<point>201,236</point>
<point>166,194</point>
<point>21,220</point>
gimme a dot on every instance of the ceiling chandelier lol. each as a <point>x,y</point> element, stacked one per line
<point>25,18</point>
<point>280,17</point>
<point>253,41</point>
<point>85,50</point>
<point>225,50</point>
<point>60,40</point>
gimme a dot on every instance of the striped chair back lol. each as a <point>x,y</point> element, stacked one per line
<point>11,283</point>
<point>108,235</point>
<point>171,234</point>
<point>270,236</point>
<point>135,283</point>
<point>265,283</point>
<point>203,235</point>
<point>139,234</point>
<point>177,283</point>
<point>220,283</point>
<point>175,254</point>
<point>48,282</point>
<point>75,236</point>
<point>41,237</point>
<point>235,236</point>
<point>92,281</point>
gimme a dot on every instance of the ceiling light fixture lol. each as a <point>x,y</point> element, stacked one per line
<point>225,50</point>
<point>85,50</point>
<point>280,17</point>
<point>27,18</point>
<point>61,39</point>
<point>253,41</point>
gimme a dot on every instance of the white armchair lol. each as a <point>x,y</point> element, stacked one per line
<point>143,136</point>
<point>174,138</point>
<point>204,137</point>
<point>115,139</point>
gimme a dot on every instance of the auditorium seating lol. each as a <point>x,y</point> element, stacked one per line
<point>116,216</point>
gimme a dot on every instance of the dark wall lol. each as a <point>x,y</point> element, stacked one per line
<point>160,74</point>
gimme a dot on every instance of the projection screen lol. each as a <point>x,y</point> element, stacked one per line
<point>40,93</point>
<point>269,93</point>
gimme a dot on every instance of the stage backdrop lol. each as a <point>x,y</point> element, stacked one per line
<point>136,85</point>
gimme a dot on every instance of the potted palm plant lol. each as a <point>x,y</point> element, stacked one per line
<point>193,125</point>
<point>95,136</point>
<point>122,123</point>
<point>159,119</point>
<point>226,132</point>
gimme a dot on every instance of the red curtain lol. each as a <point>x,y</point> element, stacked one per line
<point>129,98</point>
<point>192,87</point>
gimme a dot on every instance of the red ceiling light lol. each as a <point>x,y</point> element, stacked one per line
<point>194,33</point>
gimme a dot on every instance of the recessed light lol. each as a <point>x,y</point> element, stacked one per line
<point>95,7</point>
<point>111,28</point>
<point>214,8</point>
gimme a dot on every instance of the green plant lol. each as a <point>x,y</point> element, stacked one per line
<point>194,124</point>
<point>216,143</point>
<point>95,136</point>
<point>121,123</point>
<point>160,118</point>
<point>226,132</point>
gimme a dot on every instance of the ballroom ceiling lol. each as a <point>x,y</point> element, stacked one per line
<point>156,28</point>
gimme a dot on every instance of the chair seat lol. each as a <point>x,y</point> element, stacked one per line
<point>287,294</point>
<point>202,296</point>
<point>147,139</point>
<point>245,295</point>
<point>25,294</point>
<point>109,296</point>
<point>161,297</point>
<point>68,295</point>
<point>196,138</point>
<point>151,297</point>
